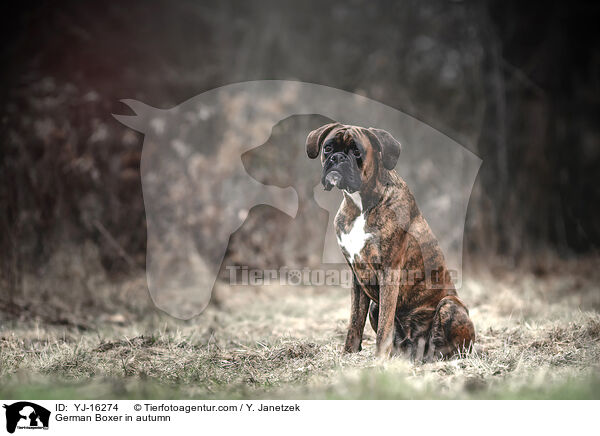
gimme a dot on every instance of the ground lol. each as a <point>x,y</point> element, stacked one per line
<point>538,337</point>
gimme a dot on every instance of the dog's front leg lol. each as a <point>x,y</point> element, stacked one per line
<point>388,299</point>
<point>358,316</point>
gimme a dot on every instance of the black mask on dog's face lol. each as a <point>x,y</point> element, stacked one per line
<point>353,157</point>
<point>342,163</point>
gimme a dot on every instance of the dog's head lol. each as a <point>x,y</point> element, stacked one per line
<point>353,157</point>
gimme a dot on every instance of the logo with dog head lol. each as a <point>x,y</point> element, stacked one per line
<point>26,415</point>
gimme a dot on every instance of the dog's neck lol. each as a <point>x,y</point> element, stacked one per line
<point>369,195</point>
<point>355,198</point>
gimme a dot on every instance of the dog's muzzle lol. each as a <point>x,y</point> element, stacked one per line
<point>332,179</point>
<point>341,171</point>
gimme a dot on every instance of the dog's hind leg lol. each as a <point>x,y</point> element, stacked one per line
<point>452,330</point>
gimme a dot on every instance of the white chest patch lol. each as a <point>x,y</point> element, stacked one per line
<point>354,241</point>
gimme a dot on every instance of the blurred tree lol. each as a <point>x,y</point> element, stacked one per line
<point>517,83</point>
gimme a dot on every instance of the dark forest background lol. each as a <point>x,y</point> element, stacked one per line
<point>518,83</point>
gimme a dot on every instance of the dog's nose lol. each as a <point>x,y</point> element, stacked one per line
<point>338,157</point>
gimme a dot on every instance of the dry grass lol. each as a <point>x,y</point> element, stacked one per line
<point>539,337</point>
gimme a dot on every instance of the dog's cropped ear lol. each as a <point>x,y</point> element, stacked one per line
<point>316,137</point>
<point>389,147</point>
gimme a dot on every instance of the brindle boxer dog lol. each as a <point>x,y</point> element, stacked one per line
<point>397,264</point>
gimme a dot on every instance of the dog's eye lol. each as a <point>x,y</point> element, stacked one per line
<point>328,149</point>
<point>356,152</point>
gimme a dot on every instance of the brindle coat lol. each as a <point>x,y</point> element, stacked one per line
<point>406,311</point>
